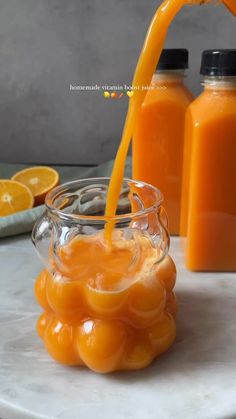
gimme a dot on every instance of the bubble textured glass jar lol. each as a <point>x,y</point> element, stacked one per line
<point>108,306</point>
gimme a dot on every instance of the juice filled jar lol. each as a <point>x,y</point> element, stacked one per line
<point>208,218</point>
<point>158,139</point>
<point>107,306</point>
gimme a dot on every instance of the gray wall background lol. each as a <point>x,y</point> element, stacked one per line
<point>46,45</point>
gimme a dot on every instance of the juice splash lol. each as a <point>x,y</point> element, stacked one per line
<point>145,69</point>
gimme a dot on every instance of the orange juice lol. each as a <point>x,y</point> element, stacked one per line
<point>159,132</point>
<point>110,314</point>
<point>209,189</point>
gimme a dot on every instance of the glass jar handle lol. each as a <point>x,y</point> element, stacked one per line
<point>165,238</point>
<point>42,237</point>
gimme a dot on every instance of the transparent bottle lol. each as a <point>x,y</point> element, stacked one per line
<point>158,140</point>
<point>208,217</point>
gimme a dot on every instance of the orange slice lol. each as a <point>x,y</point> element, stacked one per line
<point>14,197</point>
<point>40,180</point>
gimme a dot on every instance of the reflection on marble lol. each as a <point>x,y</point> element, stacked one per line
<point>194,380</point>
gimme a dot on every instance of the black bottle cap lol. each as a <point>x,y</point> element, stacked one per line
<point>219,62</point>
<point>173,59</point>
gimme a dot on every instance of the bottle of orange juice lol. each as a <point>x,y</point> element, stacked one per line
<point>159,134</point>
<point>209,185</point>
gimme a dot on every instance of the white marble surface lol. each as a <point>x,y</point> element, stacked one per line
<point>196,379</point>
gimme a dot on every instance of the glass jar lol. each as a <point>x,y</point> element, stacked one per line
<point>106,306</point>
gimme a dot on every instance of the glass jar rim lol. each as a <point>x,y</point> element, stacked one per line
<point>57,191</point>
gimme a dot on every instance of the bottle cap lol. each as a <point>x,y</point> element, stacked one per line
<point>173,59</point>
<point>219,62</point>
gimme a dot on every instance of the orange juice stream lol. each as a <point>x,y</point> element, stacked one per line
<point>143,74</point>
<point>145,69</point>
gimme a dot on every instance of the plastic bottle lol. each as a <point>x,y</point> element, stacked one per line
<point>208,215</point>
<point>159,135</point>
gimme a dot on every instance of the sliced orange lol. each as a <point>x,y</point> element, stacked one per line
<point>40,180</point>
<point>14,197</point>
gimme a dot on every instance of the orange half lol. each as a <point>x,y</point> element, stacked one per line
<point>40,180</point>
<point>14,197</point>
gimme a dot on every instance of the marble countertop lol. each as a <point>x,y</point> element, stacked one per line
<point>196,379</point>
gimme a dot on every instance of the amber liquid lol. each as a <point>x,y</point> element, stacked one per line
<point>158,141</point>
<point>208,215</point>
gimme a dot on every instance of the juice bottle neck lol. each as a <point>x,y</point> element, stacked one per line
<point>216,83</point>
<point>169,76</point>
